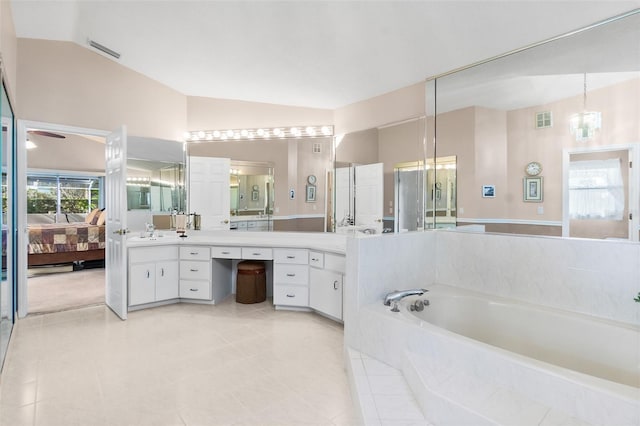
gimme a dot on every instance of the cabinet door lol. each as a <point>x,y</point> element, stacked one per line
<point>325,292</point>
<point>167,280</point>
<point>142,283</point>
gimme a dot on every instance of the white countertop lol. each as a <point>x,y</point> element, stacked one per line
<point>323,241</point>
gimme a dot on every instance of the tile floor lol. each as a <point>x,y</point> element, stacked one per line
<point>182,364</point>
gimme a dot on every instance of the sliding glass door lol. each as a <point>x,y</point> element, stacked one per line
<point>7,219</point>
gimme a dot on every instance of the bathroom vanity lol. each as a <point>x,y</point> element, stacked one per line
<point>305,271</point>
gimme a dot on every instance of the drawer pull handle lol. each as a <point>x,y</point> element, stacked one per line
<point>193,253</point>
<point>162,272</point>
<point>193,289</point>
<point>256,254</point>
<point>291,257</point>
<point>314,259</point>
<point>335,285</point>
<point>148,274</point>
<point>193,270</point>
<point>226,252</point>
<point>291,295</point>
<point>291,275</point>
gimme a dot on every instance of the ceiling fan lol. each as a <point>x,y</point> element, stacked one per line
<point>47,134</point>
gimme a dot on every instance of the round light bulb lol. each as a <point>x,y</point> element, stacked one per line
<point>201,134</point>
<point>325,130</point>
<point>244,133</point>
<point>230,133</point>
<point>260,132</point>
<point>276,131</point>
<point>216,133</point>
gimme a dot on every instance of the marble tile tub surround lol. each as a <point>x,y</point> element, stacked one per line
<point>594,277</point>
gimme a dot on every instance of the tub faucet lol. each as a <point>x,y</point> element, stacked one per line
<point>397,295</point>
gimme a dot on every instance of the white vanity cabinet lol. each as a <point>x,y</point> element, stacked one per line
<point>195,273</point>
<point>153,274</point>
<point>326,277</point>
<point>291,278</point>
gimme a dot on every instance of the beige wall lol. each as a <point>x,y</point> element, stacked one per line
<point>398,105</point>
<point>211,114</point>
<point>8,48</point>
<point>63,83</point>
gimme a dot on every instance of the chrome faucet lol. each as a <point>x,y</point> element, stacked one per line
<point>397,295</point>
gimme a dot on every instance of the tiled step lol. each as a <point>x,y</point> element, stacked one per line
<point>454,397</point>
<point>381,394</point>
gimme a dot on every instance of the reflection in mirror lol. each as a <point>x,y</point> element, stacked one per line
<point>549,104</point>
<point>598,186</point>
<point>369,204</point>
<point>155,186</point>
<point>252,196</point>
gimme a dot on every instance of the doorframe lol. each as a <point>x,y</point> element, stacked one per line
<point>21,207</point>
<point>633,194</point>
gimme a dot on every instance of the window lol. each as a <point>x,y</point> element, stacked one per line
<point>596,190</point>
<point>50,194</point>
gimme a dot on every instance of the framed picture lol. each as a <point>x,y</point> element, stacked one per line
<point>532,189</point>
<point>311,193</point>
<point>488,191</point>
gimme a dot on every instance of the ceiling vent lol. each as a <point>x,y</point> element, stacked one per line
<point>544,119</point>
<point>317,148</point>
<point>104,49</point>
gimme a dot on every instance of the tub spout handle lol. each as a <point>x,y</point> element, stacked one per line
<point>398,295</point>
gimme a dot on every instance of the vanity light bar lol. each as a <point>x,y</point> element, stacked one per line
<point>259,133</point>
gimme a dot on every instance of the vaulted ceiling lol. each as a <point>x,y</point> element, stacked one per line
<point>323,54</point>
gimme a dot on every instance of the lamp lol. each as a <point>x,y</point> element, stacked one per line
<point>583,125</point>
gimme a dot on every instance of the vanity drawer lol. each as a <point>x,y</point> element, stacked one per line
<point>258,253</point>
<point>316,259</point>
<point>151,254</point>
<point>195,253</point>
<point>296,256</point>
<point>290,274</point>
<point>335,262</point>
<point>226,252</point>
<point>290,295</point>
<point>193,289</point>
<point>194,270</point>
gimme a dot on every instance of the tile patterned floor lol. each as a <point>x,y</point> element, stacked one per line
<point>181,364</point>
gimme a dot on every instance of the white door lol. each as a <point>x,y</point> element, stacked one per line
<point>116,224</point>
<point>369,191</point>
<point>209,193</point>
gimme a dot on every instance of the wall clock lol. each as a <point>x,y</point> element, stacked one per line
<point>533,168</point>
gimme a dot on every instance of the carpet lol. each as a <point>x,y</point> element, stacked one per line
<point>53,292</point>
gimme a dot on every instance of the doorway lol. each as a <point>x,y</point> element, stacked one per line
<point>62,169</point>
<point>600,193</point>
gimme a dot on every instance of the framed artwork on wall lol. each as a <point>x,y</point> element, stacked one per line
<point>532,189</point>
<point>488,191</point>
<point>311,193</point>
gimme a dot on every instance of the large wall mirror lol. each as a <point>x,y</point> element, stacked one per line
<point>155,181</point>
<point>368,196</point>
<point>251,195</point>
<point>544,138</point>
